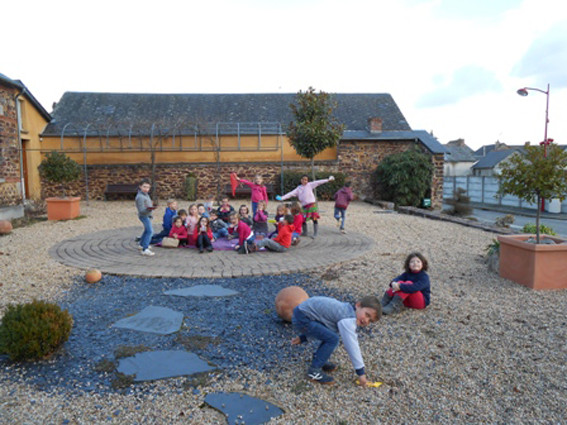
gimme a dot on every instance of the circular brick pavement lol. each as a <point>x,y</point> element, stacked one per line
<point>115,252</point>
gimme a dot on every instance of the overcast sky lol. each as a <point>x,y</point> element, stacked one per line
<point>452,66</point>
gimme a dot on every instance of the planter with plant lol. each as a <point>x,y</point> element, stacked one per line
<point>539,172</point>
<point>59,169</point>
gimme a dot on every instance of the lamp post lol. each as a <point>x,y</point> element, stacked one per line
<point>546,141</point>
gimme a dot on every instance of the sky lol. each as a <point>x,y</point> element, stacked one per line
<point>452,66</point>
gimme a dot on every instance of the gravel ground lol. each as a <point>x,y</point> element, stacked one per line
<point>485,351</point>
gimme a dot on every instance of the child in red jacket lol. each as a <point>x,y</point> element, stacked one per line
<point>178,231</point>
<point>238,228</point>
<point>282,241</point>
<point>298,220</point>
<point>203,235</point>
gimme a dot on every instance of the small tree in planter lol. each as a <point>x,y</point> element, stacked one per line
<point>535,174</point>
<point>57,168</point>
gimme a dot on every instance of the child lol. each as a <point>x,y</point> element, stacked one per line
<point>243,231</point>
<point>304,193</point>
<point>324,319</point>
<point>192,220</point>
<point>244,215</point>
<point>219,227</point>
<point>204,235</point>
<point>342,197</point>
<point>259,192</point>
<point>145,207</point>
<point>298,221</point>
<point>170,212</point>
<point>260,226</point>
<point>410,289</point>
<point>178,231</point>
<point>202,210</point>
<point>183,214</point>
<point>282,241</point>
<point>225,209</point>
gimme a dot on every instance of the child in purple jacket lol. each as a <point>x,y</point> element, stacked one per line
<point>343,196</point>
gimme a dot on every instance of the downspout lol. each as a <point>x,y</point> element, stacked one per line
<point>20,145</point>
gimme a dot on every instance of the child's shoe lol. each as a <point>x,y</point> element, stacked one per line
<point>386,299</point>
<point>210,249</point>
<point>140,248</point>
<point>329,367</point>
<point>295,242</point>
<point>252,247</point>
<point>201,250</point>
<point>148,253</point>
<point>317,375</point>
<point>395,306</point>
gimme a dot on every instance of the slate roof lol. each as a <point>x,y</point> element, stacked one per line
<point>459,154</point>
<point>493,158</point>
<point>427,139</point>
<point>19,85</point>
<point>126,109</point>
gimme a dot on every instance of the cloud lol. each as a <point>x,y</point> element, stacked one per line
<point>545,61</point>
<point>467,81</point>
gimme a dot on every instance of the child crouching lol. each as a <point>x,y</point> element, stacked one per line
<point>282,241</point>
<point>324,319</point>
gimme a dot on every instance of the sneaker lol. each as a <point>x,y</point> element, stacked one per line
<point>140,248</point>
<point>295,242</point>
<point>386,299</point>
<point>210,249</point>
<point>201,250</point>
<point>252,247</point>
<point>343,231</point>
<point>395,306</point>
<point>138,239</point>
<point>329,367</point>
<point>317,375</point>
<point>148,252</point>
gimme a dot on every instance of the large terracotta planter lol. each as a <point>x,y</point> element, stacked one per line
<point>63,208</point>
<point>536,266</point>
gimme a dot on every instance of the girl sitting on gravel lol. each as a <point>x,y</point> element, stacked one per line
<point>192,220</point>
<point>410,289</point>
<point>203,235</point>
<point>178,231</point>
<point>239,229</point>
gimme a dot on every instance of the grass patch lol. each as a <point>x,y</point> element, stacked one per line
<point>301,387</point>
<point>122,381</point>
<point>196,342</point>
<point>26,221</point>
<point>105,365</point>
<point>197,380</point>
<point>128,351</point>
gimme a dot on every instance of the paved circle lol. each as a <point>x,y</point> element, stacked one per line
<point>115,252</point>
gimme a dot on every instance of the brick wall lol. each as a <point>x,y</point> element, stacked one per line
<point>358,160</point>
<point>10,190</point>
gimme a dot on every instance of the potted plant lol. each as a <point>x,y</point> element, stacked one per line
<point>59,169</point>
<point>539,172</point>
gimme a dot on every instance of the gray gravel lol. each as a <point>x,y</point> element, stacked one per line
<point>485,351</point>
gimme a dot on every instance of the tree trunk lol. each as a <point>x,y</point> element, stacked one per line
<point>537,218</point>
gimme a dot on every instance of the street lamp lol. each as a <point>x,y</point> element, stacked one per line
<point>524,92</point>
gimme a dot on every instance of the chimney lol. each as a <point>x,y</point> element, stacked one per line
<point>375,125</point>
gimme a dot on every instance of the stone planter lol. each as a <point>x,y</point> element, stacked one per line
<point>536,266</point>
<point>63,208</point>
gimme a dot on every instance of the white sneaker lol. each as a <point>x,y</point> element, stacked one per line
<point>140,248</point>
<point>148,252</point>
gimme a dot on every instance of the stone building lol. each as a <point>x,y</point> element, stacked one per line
<point>120,137</point>
<point>22,118</point>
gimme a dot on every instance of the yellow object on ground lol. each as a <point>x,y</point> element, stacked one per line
<point>371,384</point>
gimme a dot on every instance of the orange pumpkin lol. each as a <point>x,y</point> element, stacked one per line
<point>287,299</point>
<point>5,227</point>
<point>93,276</point>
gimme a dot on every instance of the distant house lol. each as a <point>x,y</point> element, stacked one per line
<point>116,135</point>
<point>489,165</point>
<point>498,146</point>
<point>22,119</point>
<point>459,159</point>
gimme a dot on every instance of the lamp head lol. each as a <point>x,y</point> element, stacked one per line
<point>522,92</point>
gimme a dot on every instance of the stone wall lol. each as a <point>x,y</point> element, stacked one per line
<point>357,160</point>
<point>10,186</point>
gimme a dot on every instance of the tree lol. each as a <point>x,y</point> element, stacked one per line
<point>315,128</point>
<point>536,173</point>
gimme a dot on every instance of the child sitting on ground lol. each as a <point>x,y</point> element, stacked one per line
<point>241,230</point>
<point>283,239</point>
<point>225,209</point>
<point>260,226</point>
<point>259,192</point>
<point>410,289</point>
<point>324,319</point>
<point>244,215</point>
<point>183,214</point>
<point>204,235</point>
<point>192,220</point>
<point>218,226</point>
<point>178,231</point>
<point>202,210</point>
<point>170,212</point>
<point>298,221</point>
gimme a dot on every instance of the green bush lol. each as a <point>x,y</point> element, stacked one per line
<point>34,330</point>
<point>190,187</point>
<point>292,179</point>
<point>58,168</point>
<point>531,228</point>
<point>403,178</point>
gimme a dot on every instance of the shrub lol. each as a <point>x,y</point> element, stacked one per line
<point>403,178</point>
<point>460,204</point>
<point>34,330</point>
<point>504,221</point>
<point>190,187</point>
<point>292,179</point>
<point>531,228</point>
<point>58,168</point>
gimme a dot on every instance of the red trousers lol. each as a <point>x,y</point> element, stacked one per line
<point>411,300</point>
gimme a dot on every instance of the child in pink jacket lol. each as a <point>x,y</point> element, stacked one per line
<point>259,192</point>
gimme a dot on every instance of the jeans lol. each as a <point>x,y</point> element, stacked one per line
<point>254,208</point>
<point>148,231</point>
<point>203,241</point>
<point>271,245</point>
<point>159,237</point>
<point>313,329</point>
<point>340,213</point>
<point>221,233</point>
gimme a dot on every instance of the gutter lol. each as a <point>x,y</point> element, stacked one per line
<point>20,146</point>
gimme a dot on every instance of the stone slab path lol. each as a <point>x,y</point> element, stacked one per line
<point>115,252</point>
